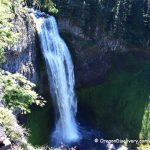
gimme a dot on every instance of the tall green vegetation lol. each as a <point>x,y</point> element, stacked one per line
<point>128,19</point>
<point>45,5</point>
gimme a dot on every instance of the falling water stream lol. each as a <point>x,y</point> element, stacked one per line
<point>60,71</point>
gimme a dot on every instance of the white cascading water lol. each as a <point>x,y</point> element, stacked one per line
<point>61,78</point>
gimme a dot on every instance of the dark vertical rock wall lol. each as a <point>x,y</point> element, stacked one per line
<point>91,57</point>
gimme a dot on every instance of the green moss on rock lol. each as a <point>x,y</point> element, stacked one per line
<point>121,105</point>
<point>39,124</point>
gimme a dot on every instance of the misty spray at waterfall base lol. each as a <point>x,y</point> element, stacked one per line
<point>61,78</point>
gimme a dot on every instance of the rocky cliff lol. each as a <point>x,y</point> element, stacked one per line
<point>21,57</point>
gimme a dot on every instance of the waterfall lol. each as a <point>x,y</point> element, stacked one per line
<point>61,78</point>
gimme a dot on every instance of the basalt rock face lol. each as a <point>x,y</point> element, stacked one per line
<point>21,57</point>
<point>91,57</point>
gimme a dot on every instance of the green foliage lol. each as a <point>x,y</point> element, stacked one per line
<point>48,5</point>
<point>45,5</point>
<point>18,92</point>
<point>7,36</point>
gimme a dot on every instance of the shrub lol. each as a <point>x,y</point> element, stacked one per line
<point>7,36</point>
<point>9,122</point>
<point>18,93</point>
<point>46,5</point>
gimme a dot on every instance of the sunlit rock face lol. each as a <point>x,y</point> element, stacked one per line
<point>21,57</point>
